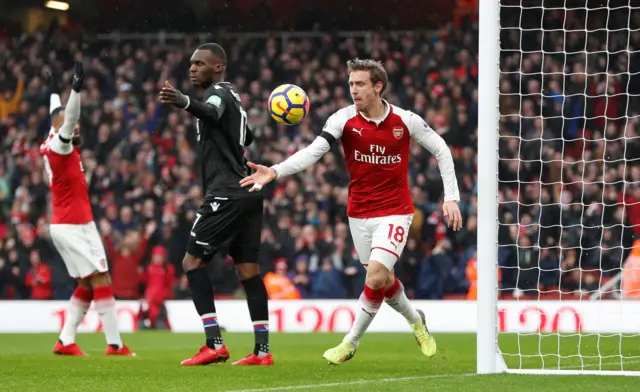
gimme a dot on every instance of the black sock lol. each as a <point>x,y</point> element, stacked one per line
<point>257,300</point>
<point>203,300</point>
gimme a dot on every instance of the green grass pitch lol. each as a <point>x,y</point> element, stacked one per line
<point>384,362</point>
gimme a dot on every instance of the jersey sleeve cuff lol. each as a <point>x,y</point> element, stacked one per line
<point>275,169</point>
<point>188,102</point>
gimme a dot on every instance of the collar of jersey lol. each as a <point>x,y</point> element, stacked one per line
<point>377,121</point>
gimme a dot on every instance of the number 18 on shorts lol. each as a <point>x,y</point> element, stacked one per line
<point>380,239</point>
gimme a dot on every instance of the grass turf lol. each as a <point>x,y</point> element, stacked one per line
<point>384,362</point>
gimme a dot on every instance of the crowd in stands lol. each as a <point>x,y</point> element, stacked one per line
<point>139,158</point>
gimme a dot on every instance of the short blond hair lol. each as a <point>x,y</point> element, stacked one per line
<point>375,69</point>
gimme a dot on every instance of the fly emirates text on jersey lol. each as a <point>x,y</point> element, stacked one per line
<point>376,156</point>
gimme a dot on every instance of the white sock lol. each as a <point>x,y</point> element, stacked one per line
<point>370,302</point>
<point>397,299</point>
<point>78,306</point>
<point>106,307</point>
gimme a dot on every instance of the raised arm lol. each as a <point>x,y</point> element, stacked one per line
<point>72,110</point>
<point>62,143</point>
<point>211,110</point>
<point>71,117</point>
<point>299,161</point>
<point>54,101</point>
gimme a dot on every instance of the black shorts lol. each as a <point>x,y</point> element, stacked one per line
<point>232,224</point>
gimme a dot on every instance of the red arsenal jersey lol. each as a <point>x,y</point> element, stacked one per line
<point>69,194</point>
<point>377,157</point>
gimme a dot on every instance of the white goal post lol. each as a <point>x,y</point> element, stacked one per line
<point>557,181</point>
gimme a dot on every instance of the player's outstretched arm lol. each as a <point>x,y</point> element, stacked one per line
<point>300,160</point>
<point>210,111</point>
<point>54,101</point>
<point>294,164</point>
<point>72,110</point>
<point>249,137</point>
<point>430,140</point>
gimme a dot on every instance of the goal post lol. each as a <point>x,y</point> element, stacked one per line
<point>488,118</point>
<point>558,179</point>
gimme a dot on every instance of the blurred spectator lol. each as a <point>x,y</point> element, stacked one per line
<point>472,277</point>
<point>300,277</point>
<point>278,284</point>
<point>567,169</point>
<point>327,281</point>
<point>158,279</point>
<point>39,277</point>
<point>125,259</point>
<point>435,271</point>
<point>528,265</point>
<point>631,273</point>
<point>10,100</point>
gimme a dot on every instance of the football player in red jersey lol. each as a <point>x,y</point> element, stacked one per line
<point>73,232</point>
<point>376,137</point>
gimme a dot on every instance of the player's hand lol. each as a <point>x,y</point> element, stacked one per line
<point>78,77</point>
<point>260,178</point>
<point>452,214</point>
<point>173,96</point>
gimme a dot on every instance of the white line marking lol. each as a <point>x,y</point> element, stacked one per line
<point>595,365</point>
<point>359,382</point>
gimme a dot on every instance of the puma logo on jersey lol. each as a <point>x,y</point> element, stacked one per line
<point>358,131</point>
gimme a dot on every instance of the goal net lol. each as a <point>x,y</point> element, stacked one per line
<point>559,135</point>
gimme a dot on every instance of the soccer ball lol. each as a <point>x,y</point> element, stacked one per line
<point>288,104</point>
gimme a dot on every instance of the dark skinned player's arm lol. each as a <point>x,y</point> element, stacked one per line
<point>210,111</point>
<point>248,138</point>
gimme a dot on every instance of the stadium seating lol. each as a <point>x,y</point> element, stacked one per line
<point>140,156</point>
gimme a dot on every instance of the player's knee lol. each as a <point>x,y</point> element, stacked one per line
<point>247,270</point>
<point>377,275</point>
<point>85,283</point>
<point>190,263</point>
<point>391,277</point>
<point>99,280</point>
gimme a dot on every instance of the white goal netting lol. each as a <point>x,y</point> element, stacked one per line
<point>568,185</point>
